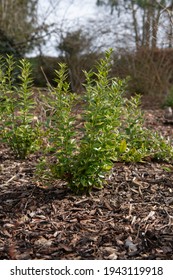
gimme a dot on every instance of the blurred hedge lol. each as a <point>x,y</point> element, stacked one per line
<point>150,71</point>
<point>45,66</point>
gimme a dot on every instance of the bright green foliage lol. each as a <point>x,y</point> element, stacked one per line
<point>113,129</point>
<point>60,129</point>
<point>18,127</point>
<point>138,143</point>
<point>102,118</point>
<point>132,135</point>
<point>84,163</point>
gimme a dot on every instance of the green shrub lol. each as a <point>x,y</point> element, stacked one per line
<point>60,129</point>
<point>137,143</point>
<point>82,154</point>
<point>102,118</point>
<point>113,129</point>
<point>84,163</point>
<point>19,127</point>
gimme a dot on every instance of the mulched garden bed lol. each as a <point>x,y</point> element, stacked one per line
<point>131,218</point>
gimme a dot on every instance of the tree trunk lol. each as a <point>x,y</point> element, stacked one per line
<point>135,26</point>
<point>155,26</point>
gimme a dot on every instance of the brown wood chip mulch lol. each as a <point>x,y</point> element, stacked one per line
<point>131,218</point>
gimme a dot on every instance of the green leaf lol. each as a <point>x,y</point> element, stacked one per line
<point>123,146</point>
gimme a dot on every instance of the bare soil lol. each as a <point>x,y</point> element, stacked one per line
<point>131,218</point>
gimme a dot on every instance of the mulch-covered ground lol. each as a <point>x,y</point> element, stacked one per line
<point>131,218</point>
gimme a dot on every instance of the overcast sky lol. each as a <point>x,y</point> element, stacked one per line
<point>69,9</point>
<point>70,15</point>
<point>116,29</point>
<point>67,13</point>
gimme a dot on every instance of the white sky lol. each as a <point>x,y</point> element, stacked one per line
<point>67,13</point>
<point>69,8</point>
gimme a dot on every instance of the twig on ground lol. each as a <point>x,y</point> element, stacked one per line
<point>11,179</point>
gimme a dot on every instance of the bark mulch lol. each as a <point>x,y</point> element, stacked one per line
<point>131,218</point>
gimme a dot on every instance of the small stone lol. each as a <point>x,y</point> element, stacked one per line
<point>168,114</point>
